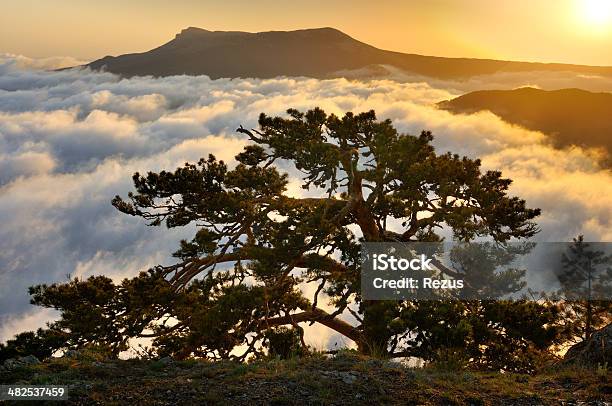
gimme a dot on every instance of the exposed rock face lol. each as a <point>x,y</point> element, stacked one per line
<point>596,350</point>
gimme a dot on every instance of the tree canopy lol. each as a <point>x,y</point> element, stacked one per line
<point>240,278</point>
<point>586,281</point>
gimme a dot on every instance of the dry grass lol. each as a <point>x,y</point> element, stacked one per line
<point>344,379</point>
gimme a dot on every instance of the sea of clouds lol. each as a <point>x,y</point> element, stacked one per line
<point>70,141</point>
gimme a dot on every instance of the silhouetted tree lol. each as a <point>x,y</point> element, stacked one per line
<point>586,283</point>
<point>240,277</point>
<point>42,344</point>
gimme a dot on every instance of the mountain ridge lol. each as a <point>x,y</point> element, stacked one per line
<point>318,52</point>
<point>570,116</point>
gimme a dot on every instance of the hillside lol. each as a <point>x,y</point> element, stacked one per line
<point>313,52</point>
<point>571,116</point>
<point>344,379</point>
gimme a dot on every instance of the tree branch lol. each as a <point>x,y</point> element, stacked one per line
<point>319,316</point>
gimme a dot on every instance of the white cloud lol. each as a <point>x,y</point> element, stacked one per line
<point>70,141</point>
<point>27,321</point>
<point>51,63</point>
<point>27,163</point>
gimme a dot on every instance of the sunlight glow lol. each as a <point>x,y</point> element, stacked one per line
<point>597,12</point>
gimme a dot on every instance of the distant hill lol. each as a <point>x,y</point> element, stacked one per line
<point>319,53</point>
<point>572,116</point>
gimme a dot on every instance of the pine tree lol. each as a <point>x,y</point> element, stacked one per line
<point>586,284</point>
<point>239,279</point>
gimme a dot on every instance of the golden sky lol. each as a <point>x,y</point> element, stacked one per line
<point>572,31</point>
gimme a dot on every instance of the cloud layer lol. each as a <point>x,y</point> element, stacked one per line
<point>70,141</point>
<point>551,80</point>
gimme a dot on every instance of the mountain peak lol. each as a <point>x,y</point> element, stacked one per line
<point>191,32</point>
<point>326,32</point>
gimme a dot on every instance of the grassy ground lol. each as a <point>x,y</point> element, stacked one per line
<point>344,379</point>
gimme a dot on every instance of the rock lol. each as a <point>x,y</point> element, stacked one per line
<point>71,354</point>
<point>10,364</point>
<point>346,377</point>
<point>595,350</point>
<point>166,360</point>
<point>29,360</point>
<point>13,363</point>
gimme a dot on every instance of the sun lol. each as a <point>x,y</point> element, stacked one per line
<point>596,12</point>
